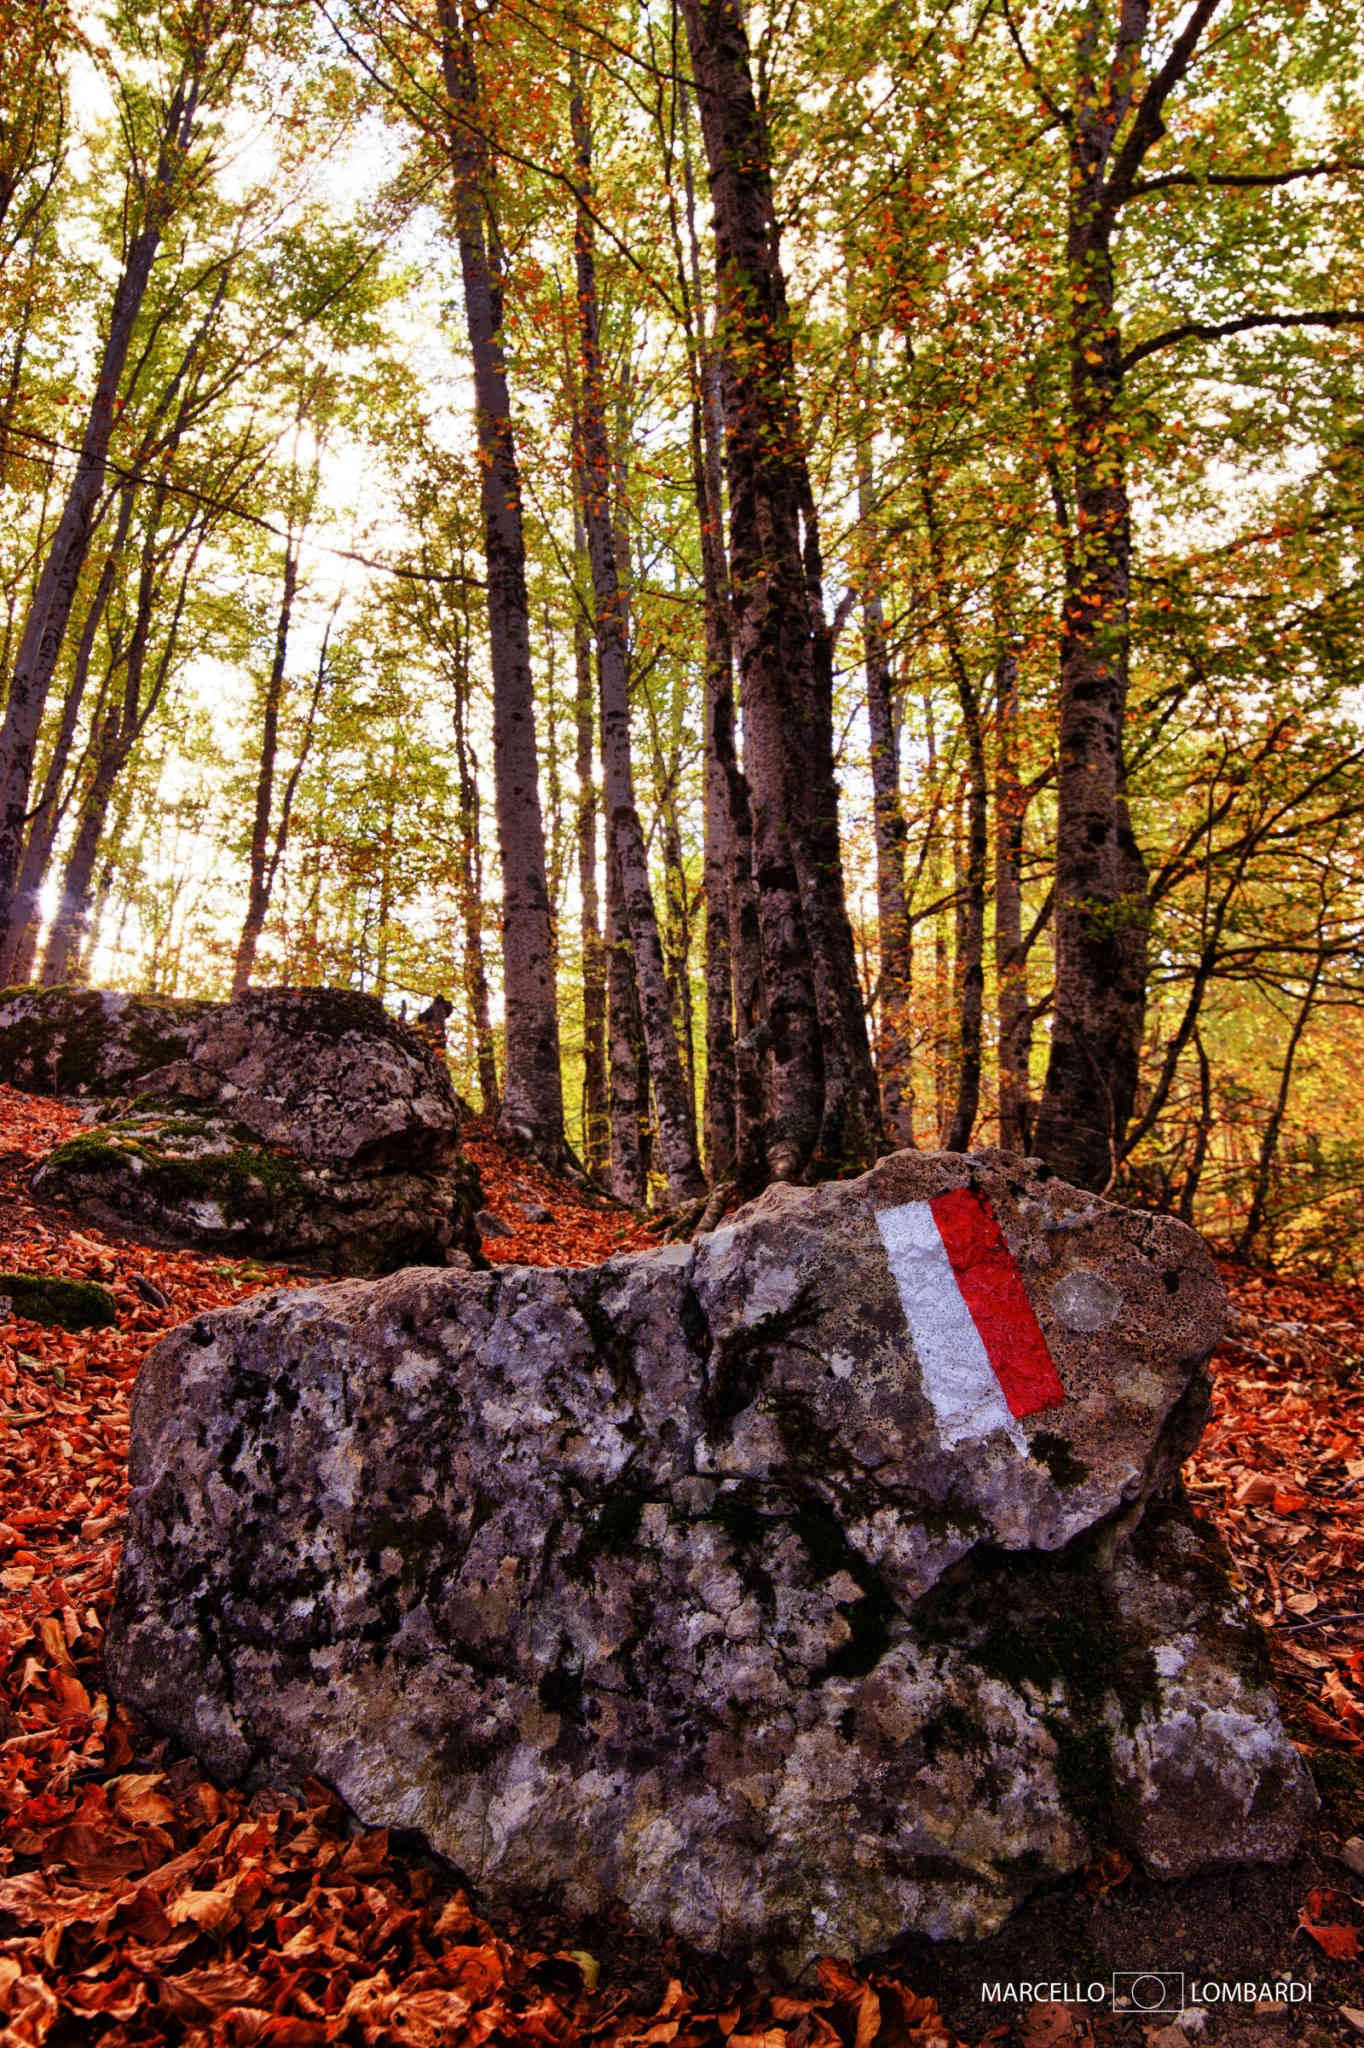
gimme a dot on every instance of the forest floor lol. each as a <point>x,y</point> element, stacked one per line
<point>140,1904</point>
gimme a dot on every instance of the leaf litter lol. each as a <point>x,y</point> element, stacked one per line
<point>141,1904</point>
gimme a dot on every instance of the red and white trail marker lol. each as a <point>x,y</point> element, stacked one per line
<point>984,1359</point>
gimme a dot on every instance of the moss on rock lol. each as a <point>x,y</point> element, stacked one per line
<point>62,1304</point>
<point>81,1041</point>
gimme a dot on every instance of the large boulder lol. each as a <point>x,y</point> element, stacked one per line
<point>300,1124</point>
<point>89,1041</point>
<point>823,1580</point>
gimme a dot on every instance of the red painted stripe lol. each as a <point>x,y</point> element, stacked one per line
<point>992,1289</point>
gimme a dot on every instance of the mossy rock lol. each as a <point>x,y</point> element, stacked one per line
<point>62,1304</point>
<point>84,1041</point>
<point>189,1179</point>
<point>170,1162</point>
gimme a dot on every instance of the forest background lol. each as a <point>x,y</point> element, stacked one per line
<point>739,545</point>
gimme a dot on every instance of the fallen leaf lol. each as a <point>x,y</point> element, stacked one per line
<point>1255,1491</point>
<point>1047,2026</point>
<point>1331,1936</point>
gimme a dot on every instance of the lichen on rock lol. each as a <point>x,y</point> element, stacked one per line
<point>662,1581</point>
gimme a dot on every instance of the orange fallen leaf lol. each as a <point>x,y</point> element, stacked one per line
<point>1331,1936</point>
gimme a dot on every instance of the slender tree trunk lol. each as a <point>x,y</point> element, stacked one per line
<point>71,923</point>
<point>934,836</point>
<point>1269,1143</point>
<point>79,966</point>
<point>824,1110</point>
<point>1011,966</point>
<point>627,1067</point>
<point>470,870</point>
<point>1202,1134</point>
<point>17,956</point>
<point>596,1112</point>
<point>532,1101</point>
<point>388,844</point>
<point>258,894</point>
<point>45,629</point>
<point>973,843</point>
<point>677,1141</point>
<point>722,1099</point>
<point>895,937</point>
<point>122,726</point>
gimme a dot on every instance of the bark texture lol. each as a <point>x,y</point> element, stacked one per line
<point>19,951</point>
<point>470,889</point>
<point>627,1065</point>
<point>823,1108</point>
<point>532,1098</point>
<point>1101,904</point>
<point>1011,963</point>
<point>672,1099</point>
<point>596,1113</point>
<point>258,887</point>
<point>895,932</point>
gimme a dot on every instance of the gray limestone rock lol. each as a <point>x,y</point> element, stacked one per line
<point>323,1072</point>
<point>711,1579</point>
<point>299,1124</point>
<point>89,1041</point>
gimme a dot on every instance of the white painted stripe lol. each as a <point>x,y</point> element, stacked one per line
<point>958,1378</point>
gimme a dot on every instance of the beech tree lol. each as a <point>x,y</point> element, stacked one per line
<point>824,1109</point>
<point>677,1140</point>
<point>532,1094</point>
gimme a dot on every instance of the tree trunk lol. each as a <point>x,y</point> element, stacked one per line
<point>45,629</point>
<point>532,1101</point>
<point>895,938</point>
<point>471,890</point>
<point>71,924</point>
<point>1202,1135</point>
<point>1011,965</point>
<point>734,1092</point>
<point>974,844</point>
<point>677,1141</point>
<point>1101,916</point>
<point>123,725</point>
<point>627,1067</point>
<point>258,895</point>
<point>1269,1143</point>
<point>823,1108</point>
<point>722,1096</point>
<point>17,956</point>
<point>596,1113</point>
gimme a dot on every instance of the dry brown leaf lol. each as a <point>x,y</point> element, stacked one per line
<point>212,1908</point>
<point>1047,2026</point>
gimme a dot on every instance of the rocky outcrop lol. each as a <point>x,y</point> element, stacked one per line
<point>816,1582</point>
<point>301,1124</point>
<point>89,1041</point>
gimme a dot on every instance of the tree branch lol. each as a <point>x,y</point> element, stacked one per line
<point>1148,126</point>
<point>1204,330</point>
<point>1242,180</point>
<point>1058,114</point>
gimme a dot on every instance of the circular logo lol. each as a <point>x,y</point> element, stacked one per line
<point>1148,1993</point>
